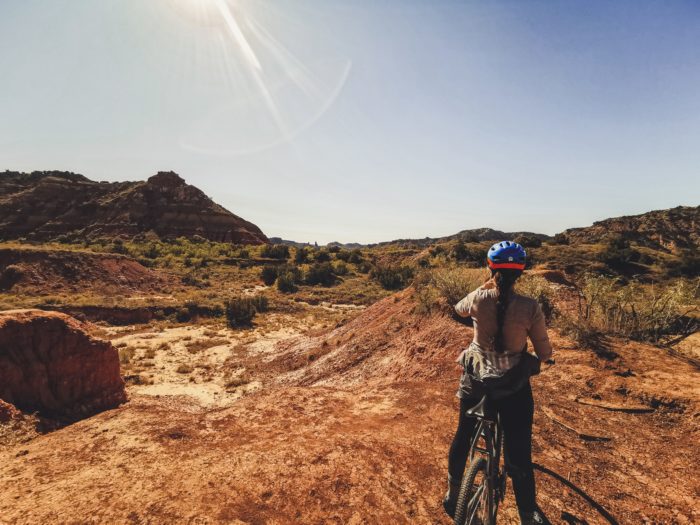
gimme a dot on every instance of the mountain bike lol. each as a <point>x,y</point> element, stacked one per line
<point>484,483</point>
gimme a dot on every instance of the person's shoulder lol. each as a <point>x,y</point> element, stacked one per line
<point>526,302</point>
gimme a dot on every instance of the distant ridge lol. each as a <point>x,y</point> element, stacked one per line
<point>45,205</point>
<point>672,228</point>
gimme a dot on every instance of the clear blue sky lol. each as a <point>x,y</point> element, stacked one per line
<point>365,121</point>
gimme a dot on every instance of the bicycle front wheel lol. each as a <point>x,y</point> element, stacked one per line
<point>473,506</point>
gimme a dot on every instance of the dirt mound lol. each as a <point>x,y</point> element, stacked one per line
<point>388,342</point>
<point>49,363</point>
<point>553,276</point>
<point>63,271</point>
<point>46,205</point>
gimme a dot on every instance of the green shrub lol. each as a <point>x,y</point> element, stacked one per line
<point>241,310</point>
<point>355,256</point>
<point>343,255</point>
<point>301,255</point>
<point>528,241</point>
<point>687,265</point>
<point>320,273</point>
<point>364,267</point>
<point>462,252</point>
<point>268,274</point>
<point>286,283</point>
<point>445,287</point>
<point>392,277</point>
<point>322,256</point>
<point>340,268</point>
<point>643,312</point>
<point>275,251</point>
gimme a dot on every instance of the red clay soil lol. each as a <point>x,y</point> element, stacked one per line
<point>65,271</point>
<point>359,433</point>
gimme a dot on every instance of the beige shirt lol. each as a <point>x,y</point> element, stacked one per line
<point>524,318</point>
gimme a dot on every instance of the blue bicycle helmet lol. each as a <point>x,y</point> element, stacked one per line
<point>506,254</point>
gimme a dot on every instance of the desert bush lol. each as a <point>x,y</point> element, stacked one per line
<point>392,277</point>
<point>152,252</point>
<point>320,273</point>
<point>355,256</point>
<point>184,369</point>
<point>687,265</point>
<point>642,312</point>
<point>241,310</point>
<point>340,268</point>
<point>343,255</point>
<point>268,274</point>
<point>528,241</point>
<point>540,290</point>
<point>441,287</point>
<point>364,267</point>
<point>286,283</point>
<point>560,238</point>
<point>618,253</point>
<point>126,354</point>
<point>334,249</point>
<point>10,276</point>
<point>275,251</point>
<point>322,256</point>
<point>301,255</point>
<point>462,252</point>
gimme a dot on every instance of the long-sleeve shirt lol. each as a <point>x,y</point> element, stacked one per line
<point>523,319</point>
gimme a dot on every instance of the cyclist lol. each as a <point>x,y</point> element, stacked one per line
<point>497,362</point>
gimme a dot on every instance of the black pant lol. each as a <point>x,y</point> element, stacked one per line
<point>516,413</point>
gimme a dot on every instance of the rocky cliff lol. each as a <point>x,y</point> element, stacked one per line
<point>51,365</point>
<point>49,204</point>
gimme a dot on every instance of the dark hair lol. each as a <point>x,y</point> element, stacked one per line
<point>505,279</point>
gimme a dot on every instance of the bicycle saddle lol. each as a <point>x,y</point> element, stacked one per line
<point>484,409</point>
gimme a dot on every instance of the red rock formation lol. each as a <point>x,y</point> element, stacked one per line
<point>8,412</point>
<point>46,205</point>
<point>50,364</point>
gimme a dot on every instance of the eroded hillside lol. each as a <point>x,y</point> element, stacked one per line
<point>349,421</point>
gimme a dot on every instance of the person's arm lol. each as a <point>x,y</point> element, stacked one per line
<point>538,335</point>
<point>464,307</point>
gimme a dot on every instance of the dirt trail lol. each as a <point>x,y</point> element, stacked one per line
<point>357,431</point>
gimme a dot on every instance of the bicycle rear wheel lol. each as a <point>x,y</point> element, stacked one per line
<point>473,500</point>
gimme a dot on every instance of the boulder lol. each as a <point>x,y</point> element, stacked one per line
<point>50,364</point>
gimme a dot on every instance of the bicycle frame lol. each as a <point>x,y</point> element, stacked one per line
<point>492,435</point>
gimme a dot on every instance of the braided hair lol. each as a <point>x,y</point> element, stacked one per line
<point>504,279</point>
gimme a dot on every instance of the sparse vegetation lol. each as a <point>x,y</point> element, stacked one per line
<point>241,310</point>
<point>320,273</point>
<point>445,287</point>
<point>652,313</point>
<point>392,277</point>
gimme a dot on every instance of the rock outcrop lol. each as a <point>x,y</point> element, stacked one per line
<point>47,205</point>
<point>50,364</point>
